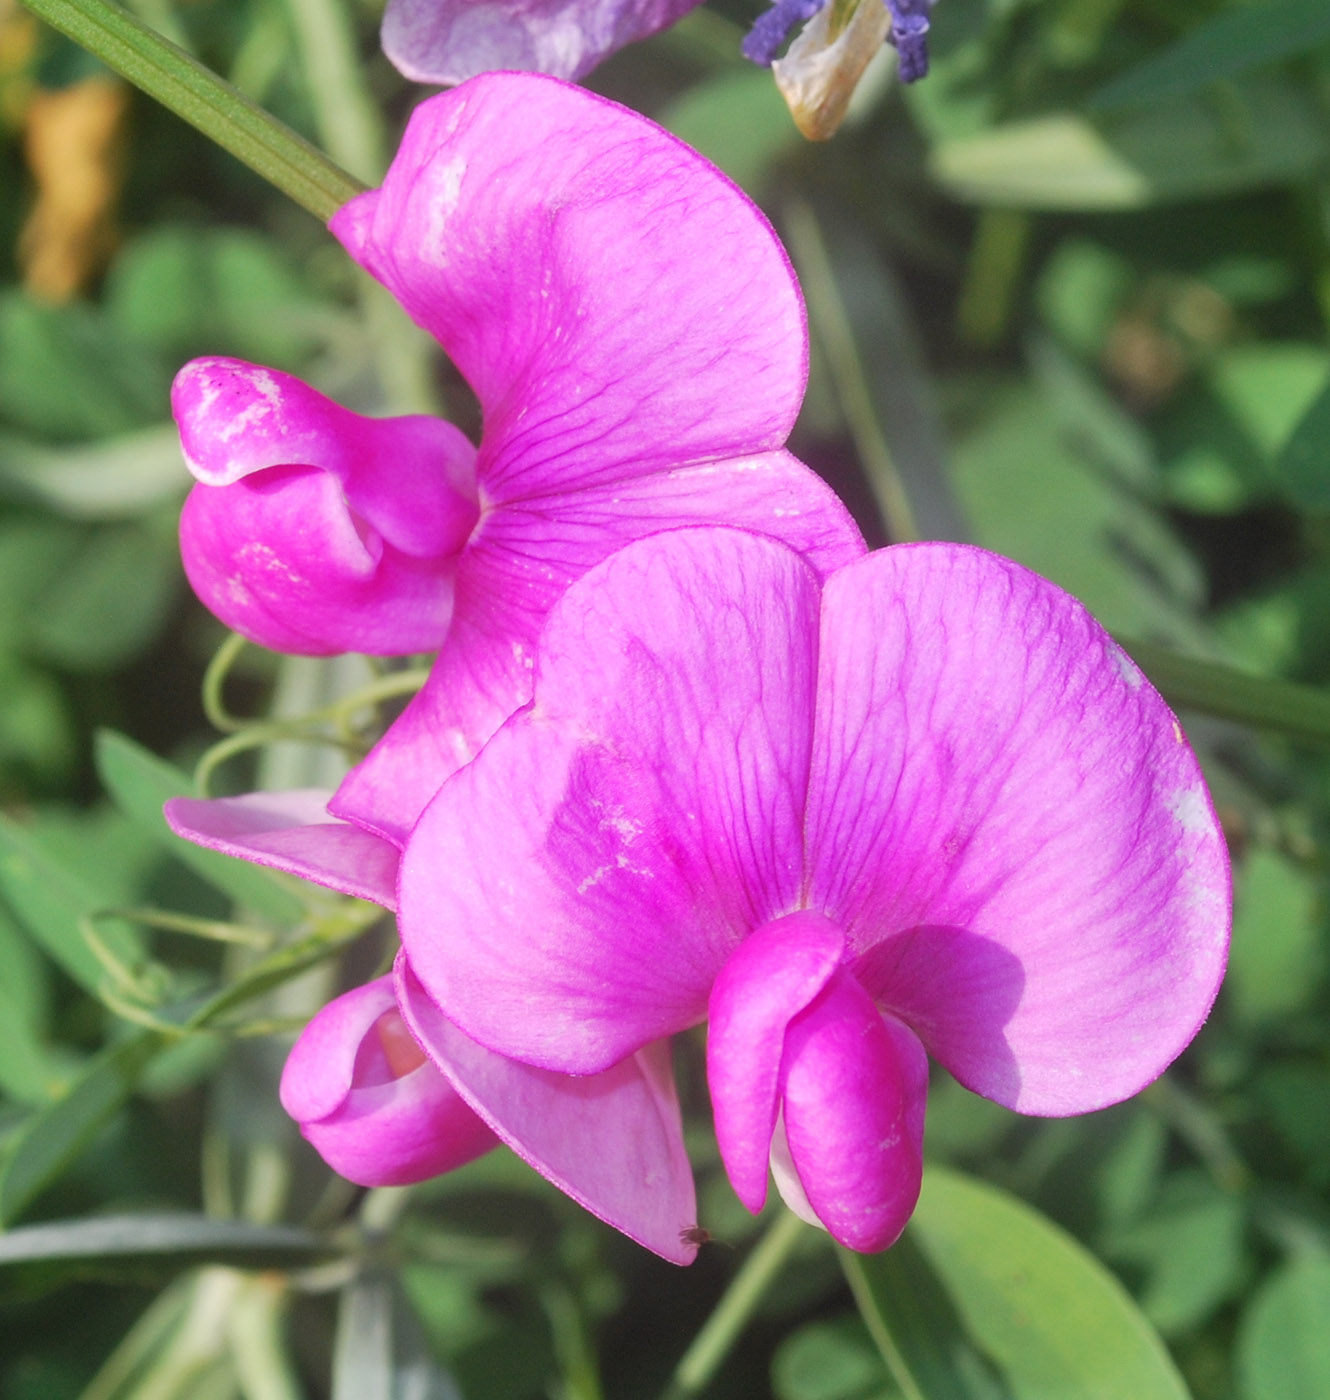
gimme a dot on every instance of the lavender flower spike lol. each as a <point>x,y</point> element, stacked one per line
<point>636,338</point>
<point>448,41</point>
<point>925,804</point>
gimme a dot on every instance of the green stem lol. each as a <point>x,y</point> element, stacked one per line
<point>712,1344</point>
<point>1284,707</point>
<point>206,101</point>
<point>831,323</point>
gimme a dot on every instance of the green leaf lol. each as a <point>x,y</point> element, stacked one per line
<point>110,480</point>
<point>1037,490</point>
<point>1267,133</point>
<point>58,1134</point>
<point>1283,1347</point>
<point>229,291</point>
<point>1010,1287</point>
<point>51,897</point>
<point>111,602</point>
<point>917,1328</point>
<point>1230,44</point>
<point>1303,467</point>
<point>1277,958</point>
<point>1190,1247</point>
<point>36,729</point>
<point>29,1071</point>
<point>139,1246</point>
<point>141,783</point>
<point>830,1361</point>
<point>1268,389</point>
<point>380,1350</point>
<point>66,372</point>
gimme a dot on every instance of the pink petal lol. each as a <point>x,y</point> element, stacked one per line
<point>1007,821</point>
<point>769,978</point>
<point>607,849</point>
<point>313,529</point>
<point>291,831</point>
<point>448,41</point>
<point>482,674</point>
<point>375,1122</point>
<point>853,1087</point>
<point>518,564</point>
<point>612,1141</point>
<point>618,305</point>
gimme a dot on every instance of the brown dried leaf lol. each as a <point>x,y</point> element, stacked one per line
<point>75,150</point>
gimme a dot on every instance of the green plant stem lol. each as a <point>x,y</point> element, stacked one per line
<point>831,323</point>
<point>712,1344</point>
<point>1284,707</point>
<point>206,101</point>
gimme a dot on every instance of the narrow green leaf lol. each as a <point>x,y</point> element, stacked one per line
<point>204,100</point>
<point>59,1133</point>
<point>111,480</point>
<point>29,1071</point>
<point>1231,43</point>
<point>51,897</point>
<point>141,783</point>
<point>1043,1311</point>
<point>380,1350</point>
<point>1283,1350</point>
<point>143,1245</point>
<point>1303,466</point>
<point>917,1328</point>
<point>1268,132</point>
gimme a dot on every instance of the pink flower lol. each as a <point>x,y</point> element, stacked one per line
<point>376,1110</point>
<point>384,1106</point>
<point>925,803</point>
<point>635,336</point>
<point>612,1141</point>
<point>447,41</point>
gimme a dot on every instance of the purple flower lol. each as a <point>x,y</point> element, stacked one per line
<point>447,41</point>
<point>926,803</point>
<point>635,336</point>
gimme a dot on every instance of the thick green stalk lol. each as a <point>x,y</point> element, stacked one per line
<point>206,101</point>
<point>1283,707</point>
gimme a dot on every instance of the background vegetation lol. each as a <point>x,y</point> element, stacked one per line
<point>1069,299</point>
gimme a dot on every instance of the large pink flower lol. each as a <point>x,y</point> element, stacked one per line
<point>447,41</point>
<point>636,338</point>
<point>926,803</point>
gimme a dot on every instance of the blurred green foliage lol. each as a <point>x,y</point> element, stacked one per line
<point>1069,299</point>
